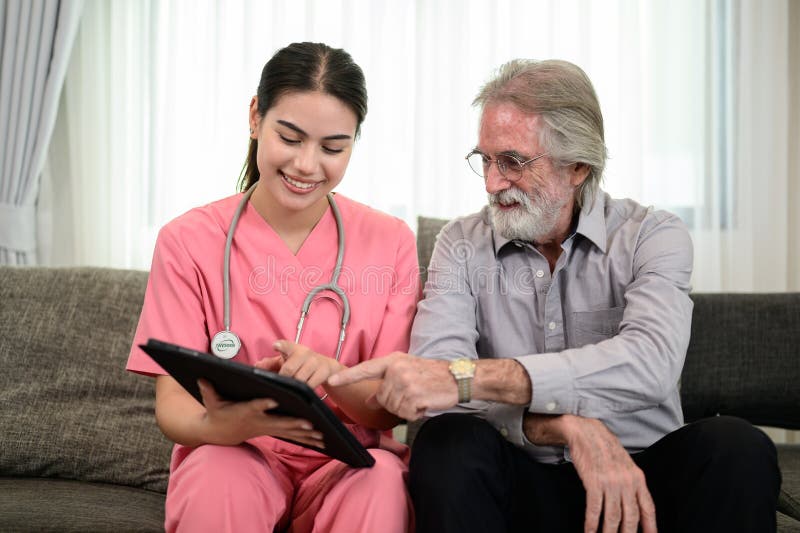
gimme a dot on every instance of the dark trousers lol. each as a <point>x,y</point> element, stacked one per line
<point>718,474</point>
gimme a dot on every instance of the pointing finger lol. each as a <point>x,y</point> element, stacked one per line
<point>284,347</point>
<point>374,368</point>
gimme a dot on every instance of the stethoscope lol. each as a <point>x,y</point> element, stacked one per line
<point>226,343</point>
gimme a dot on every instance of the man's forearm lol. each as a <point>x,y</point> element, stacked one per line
<point>546,430</point>
<point>412,385</point>
<point>562,430</point>
<point>501,380</point>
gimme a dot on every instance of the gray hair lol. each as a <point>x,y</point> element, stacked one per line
<point>562,94</point>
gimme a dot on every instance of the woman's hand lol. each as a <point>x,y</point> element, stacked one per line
<point>302,363</point>
<point>231,423</point>
<point>306,365</point>
<point>272,364</point>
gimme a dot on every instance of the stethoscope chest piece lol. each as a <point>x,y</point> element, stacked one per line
<point>225,344</point>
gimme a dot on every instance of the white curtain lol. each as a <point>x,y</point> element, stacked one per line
<point>36,37</point>
<point>696,98</point>
<point>97,185</point>
<point>747,231</point>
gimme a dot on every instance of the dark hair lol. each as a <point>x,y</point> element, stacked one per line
<point>305,67</point>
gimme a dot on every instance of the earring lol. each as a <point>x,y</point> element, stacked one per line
<point>251,131</point>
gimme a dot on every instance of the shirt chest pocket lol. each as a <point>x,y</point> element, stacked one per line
<point>591,327</point>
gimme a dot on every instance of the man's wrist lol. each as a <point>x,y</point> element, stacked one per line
<point>548,430</point>
<point>501,380</point>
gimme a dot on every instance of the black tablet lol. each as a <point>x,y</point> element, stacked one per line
<point>238,382</point>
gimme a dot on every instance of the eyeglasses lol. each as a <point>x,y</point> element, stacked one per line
<point>509,166</point>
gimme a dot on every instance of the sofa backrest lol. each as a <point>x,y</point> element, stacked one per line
<point>68,408</point>
<point>427,230</point>
<point>743,357</point>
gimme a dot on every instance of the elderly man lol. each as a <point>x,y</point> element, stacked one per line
<point>553,333</point>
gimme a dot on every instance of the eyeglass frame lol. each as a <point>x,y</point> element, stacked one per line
<point>494,160</point>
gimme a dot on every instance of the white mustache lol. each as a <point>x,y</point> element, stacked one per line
<point>510,196</point>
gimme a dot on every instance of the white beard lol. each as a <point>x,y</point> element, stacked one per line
<point>527,221</point>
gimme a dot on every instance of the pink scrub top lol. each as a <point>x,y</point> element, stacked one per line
<point>183,303</point>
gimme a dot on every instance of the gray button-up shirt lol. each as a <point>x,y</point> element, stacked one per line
<point>604,336</point>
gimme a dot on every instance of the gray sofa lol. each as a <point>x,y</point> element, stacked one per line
<point>79,449</point>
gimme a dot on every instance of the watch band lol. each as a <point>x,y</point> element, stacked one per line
<point>464,390</point>
<point>463,370</point>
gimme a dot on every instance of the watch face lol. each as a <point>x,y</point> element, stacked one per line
<point>462,368</point>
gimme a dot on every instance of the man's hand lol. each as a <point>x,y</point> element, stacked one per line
<point>411,385</point>
<point>614,485</point>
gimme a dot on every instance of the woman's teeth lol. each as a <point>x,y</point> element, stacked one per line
<point>298,184</point>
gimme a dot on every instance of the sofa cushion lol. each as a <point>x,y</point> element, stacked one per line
<point>789,462</point>
<point>68,408</point>
<point>30,504</point>
<point>787,524</point>
<point>743,358</point>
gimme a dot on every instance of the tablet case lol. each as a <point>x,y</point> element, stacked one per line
<point>238,382</point>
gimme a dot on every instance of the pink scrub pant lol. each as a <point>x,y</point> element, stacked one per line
<point>244,488</point>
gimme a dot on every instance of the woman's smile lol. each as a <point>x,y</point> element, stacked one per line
<point>297,185</point>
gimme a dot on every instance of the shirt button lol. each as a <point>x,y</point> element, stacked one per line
<point>550,406</point>
<point>551,325</point>
<point>540,273</point>
<point>504,432</point>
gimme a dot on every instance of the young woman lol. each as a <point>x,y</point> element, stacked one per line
<point>229,472</point>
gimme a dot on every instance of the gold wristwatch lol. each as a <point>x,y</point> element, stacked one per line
<point>463,370</point>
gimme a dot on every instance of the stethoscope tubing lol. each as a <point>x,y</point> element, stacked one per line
<point>331,286</point>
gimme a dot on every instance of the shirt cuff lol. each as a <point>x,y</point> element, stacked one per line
<point>507,419</point>
<point>553,390</point>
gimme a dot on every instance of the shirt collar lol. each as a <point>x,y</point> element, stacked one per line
<point>591,223</point>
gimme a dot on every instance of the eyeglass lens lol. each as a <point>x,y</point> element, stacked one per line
<point>508,166</point>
